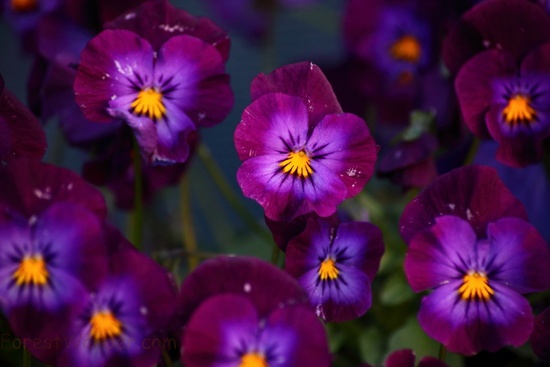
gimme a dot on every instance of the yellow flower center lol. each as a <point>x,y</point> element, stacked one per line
<point>31,270</point>
<point>475,286</point>
<point>253,360</point>
<point>22,6</point>
<point>104,325</point>
<point>406,48</point>
<point>519,110</point>
<point>297,163</point>
<point>328,270</point>
<point>149,103</point>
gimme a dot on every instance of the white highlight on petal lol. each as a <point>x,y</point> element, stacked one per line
<point>46,194</point>
<point>171,29</point>
<point>247,287</point>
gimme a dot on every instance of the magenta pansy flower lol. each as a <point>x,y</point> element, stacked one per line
<point>476,284</point>
<point>297,159</point>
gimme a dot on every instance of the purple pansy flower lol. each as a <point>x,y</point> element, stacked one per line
<point>296,160</point>
<point>474,193</point>
<point>540,338</point>
<point>515,26</point>
<point>477,303</point>
<point>288,336</point>
<point>510,104</point>
<point>336,265</point>
<point>21,135</point>
<point>266,316</point>
<point>124,322</point>
<point>163,91</point>
<point>47,265</point>
<point>406,358</point>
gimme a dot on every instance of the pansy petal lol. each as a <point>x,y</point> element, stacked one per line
<point>540,338</point>
<point>495,24</point>
<point>466,327</point>
<point>304,80</point>
<point>474,82</point>
<point>274,123</point>
<point>440,253</point>
<point>342,143</point>
<point>519,254</point>
<point>111,65</point>
<point>474,193</point>
<point>194,73</point>
<point>400,358</point>
<point>158,21</point>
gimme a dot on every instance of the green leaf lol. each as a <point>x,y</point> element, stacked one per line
<point>396,290</point>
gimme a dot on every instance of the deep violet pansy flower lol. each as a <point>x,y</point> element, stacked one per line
<point>125,321</point>
<point>336,265</point>
<point>239,336</point>
<point>406,358</point>
<point>21,135</point>
<point>48,263</point>
<point>296,160</point>
<point>163,93</point>
<point>477,284</point>
<point>266,316</point>
<point>511,103</point>
<point>474,193</point>
<point>540,338</point>
<point>515,26</point>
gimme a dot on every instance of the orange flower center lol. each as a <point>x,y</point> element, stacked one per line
<point>328,270</point>
<point>297,163</point>
<point>23,6</point>
<point>518,110</point>
<point>406,48</point>
<point>475,285</point>
<point>149,103</point>
<point>31,270</point>
<point>104,325</point>
<point>253,360</point>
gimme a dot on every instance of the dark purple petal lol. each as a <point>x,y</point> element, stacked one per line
<point>344,145</point>
<point>197,71</point>
<point>264,284</point>
<point>537,60</point>
<point>304,80</point>
<point>466,327</point>
<point>431,362</point>
<point>540,338</point>
<point>519,254</point>
<point>408,153</point>
<point>474,86</point>
<point>437,255</point>
<point>273,123</point>
<point>110,65</point>
<point>158,21</point>
<point>401,358</point>
<point>29,187</point>
<point>495,24</point>
<point>474,193</point>
<point>21,135</point>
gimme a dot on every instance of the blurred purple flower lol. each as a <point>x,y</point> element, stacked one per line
<point>336,265</point>
<point>476,302</point>
<point>296,160</point>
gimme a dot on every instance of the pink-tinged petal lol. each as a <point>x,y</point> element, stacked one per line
<point>21,135</point>
<point>401,358</point>
<point>467,327</point>
<point>537,60</point>
<point>112,65</point>
<point>273,123</point>
<point>304,80</point>
<point>473,86</point>
<point>195,72</point>
<point>343,144</point>
<point>440,254</point>
<point>158,21</point>
<point>517,148</point>
<point>495,24</point>
<point>29,187</point>
<point>474,193</point>
<point>284,196</point>
<point>540,338</point>
<point>431,362</point>
<point>519,254</point>
<point>263,283</point>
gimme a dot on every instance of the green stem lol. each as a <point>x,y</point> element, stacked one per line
<point>226,190</point>
<point>442,353</point>
<point>137,214</point>
<point>27,360</point>
<point>472,152</point>
<point>166,359</point>
<point>184,252</point>
<point>189,240</point>
<point>275,252</point>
